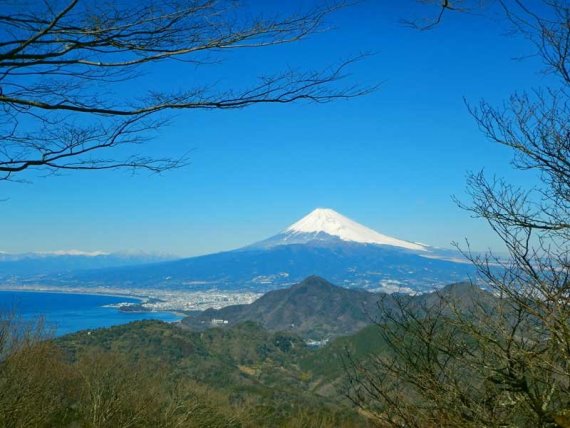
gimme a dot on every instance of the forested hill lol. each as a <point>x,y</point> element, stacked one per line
<point>317,309</point>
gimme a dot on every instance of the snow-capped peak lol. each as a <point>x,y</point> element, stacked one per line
<point>324,220</point>
<point>73,253</point>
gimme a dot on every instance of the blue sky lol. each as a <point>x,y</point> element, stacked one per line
<point>390,160</point>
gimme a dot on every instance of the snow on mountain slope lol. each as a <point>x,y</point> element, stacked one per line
<point>324,220</point>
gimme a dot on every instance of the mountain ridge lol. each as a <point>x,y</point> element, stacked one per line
<point>66,261</point>
<point>312,308</point>
<point>317,309</point>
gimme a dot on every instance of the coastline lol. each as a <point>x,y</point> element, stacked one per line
<point>177,302</point>
<point>82,291</point>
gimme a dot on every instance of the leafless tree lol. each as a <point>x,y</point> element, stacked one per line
<point>439,9</point>
<point>466,359</point>
<point>63,64</point>
<point>505,361</point>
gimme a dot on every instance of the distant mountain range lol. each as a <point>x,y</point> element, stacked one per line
<point>323,243</point>
<point>55,263</point>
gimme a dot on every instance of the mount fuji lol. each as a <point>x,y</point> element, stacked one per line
<point>323,243</point>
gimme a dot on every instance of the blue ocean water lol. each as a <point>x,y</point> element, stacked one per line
<point>67,313</point>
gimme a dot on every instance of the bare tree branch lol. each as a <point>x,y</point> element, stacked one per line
<point>62,66</point>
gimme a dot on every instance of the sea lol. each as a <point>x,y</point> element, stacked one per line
<point>65,313</point>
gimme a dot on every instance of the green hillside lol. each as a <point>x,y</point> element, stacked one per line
<point>244,374</point>
<point>246,363</point>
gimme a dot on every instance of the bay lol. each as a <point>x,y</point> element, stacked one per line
<point>67,312</point>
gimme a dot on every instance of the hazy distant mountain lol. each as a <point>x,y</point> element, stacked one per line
<point>61,262</point>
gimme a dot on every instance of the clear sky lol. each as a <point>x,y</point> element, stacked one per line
<point>390,160</point>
